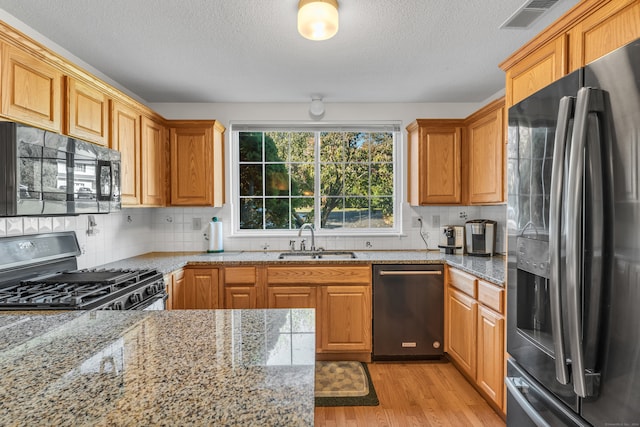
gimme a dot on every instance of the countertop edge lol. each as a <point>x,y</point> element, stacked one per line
<point>490,269</point>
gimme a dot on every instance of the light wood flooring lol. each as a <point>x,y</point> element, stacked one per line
<point>415,394</point>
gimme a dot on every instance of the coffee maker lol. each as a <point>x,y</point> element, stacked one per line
<point>452,239</point>
<point>481,237</point>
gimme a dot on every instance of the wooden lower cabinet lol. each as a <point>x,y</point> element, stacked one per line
<point>342,299</point>
<point>240,297</point>
<point>461,333</point>
<point>344,314</point>
<point>243,287</point>
<point>291,297</point>
<point>475,333</point>
<point>200,289</point>
<point>490,366</point>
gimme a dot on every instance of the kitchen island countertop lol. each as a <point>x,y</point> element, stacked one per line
<point>208,367</point>
<point>491,269</point>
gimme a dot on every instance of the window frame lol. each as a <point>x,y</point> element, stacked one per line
<point>361,126</point>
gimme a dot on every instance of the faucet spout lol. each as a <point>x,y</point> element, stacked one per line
<point>313,238</point>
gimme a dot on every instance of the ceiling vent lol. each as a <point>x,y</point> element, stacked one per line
<point>528,13</point>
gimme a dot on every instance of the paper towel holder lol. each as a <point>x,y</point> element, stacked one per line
<point>215,237</point>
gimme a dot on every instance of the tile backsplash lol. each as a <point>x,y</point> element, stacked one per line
<point>132,232</point>
<point>119,235</point>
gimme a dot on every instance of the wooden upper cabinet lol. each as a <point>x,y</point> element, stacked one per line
<point>31,90</point>
<point>608,28</point>
<point>484,162</point>
<point>589,30</point>
<point>153,153</point>
<point>87,112</point>
<point>537,70</point>
<point>197,163</point>
<point>125,137</point>
<point>435,148</point>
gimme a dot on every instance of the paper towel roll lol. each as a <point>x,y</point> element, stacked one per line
<point>215,236</point>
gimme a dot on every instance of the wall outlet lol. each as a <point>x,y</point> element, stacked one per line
<point>416,222</point>
<point>435,221</point>
<point>196,223</point>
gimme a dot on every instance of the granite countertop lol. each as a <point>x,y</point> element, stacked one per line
<point>206,367</point>
<point>491,269</point>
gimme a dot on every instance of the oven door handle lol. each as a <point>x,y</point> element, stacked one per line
<point>561,146</point>
<point>518,388</point>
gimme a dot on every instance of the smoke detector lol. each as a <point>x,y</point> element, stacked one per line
<point>528,13</point>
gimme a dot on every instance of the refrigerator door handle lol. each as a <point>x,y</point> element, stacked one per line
<point>589,101</point>
<point>565,114</point>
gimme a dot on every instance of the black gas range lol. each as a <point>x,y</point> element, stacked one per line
<point>39,272</point>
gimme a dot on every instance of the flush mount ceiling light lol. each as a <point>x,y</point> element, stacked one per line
<point>318,19</point>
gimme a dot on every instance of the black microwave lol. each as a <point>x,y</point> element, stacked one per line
<point>46,174</point>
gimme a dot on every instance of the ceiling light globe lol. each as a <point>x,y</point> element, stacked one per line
<point>318,19</point>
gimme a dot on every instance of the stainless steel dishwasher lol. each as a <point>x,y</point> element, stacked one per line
<point>408,311</point>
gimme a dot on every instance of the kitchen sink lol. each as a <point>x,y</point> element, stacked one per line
<point>306,255</point>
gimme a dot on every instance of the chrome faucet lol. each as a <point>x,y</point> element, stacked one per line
<point>313,238</point>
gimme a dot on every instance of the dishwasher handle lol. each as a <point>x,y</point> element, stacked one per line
<point>410,273</point>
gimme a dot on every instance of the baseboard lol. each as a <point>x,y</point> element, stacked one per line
<point>359,357</point>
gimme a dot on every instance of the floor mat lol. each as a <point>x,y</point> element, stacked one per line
<point>344,384</point>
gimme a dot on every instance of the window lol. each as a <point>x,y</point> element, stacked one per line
<point>339,179</point>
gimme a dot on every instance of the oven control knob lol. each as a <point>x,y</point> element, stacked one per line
<point>116,306</point>
<point>134,298</point>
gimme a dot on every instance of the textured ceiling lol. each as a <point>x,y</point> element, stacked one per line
<point>250,51</point>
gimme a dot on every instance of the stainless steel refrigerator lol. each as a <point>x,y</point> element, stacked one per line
<point>573,223</point>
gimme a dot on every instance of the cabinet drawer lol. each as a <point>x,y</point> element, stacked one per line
<point>463,281</point>
<point>240,275</point>
<point>491,296</point>
<point>319,275</point>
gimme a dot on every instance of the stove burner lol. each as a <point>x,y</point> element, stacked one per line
<point>84,289</point>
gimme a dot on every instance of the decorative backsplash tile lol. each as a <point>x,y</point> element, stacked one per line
<point>30,225</point>
<point>3,227</point>
<point>14,226</point>
<point>57,223</point>
<point>45,225</point>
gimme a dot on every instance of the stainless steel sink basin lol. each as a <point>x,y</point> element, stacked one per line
<point>307,255</point>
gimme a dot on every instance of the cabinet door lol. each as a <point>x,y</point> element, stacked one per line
<point>608,28</point>
<point>31,90</point>
<point>201,288</point>
<point>240,297</point>
<point>345,316</point>
<point>490,368</point>
<point>462,318</point>
<point>536,70</point>
<point>175,290</point>
<point>197,163</point>
<point>291,297</point>
<point>125,137</point>
<point>485,151</point>
<point>87,112</point>
<point>435,163</point>
<point>153,150</point>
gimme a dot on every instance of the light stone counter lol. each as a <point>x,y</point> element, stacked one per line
<point>491,269</point>
<point>213,367</point>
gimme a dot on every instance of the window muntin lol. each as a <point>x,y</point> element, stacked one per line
<point>286,176</point>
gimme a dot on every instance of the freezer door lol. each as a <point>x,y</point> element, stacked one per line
<point>618,356</point>
<point>529,404</point>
